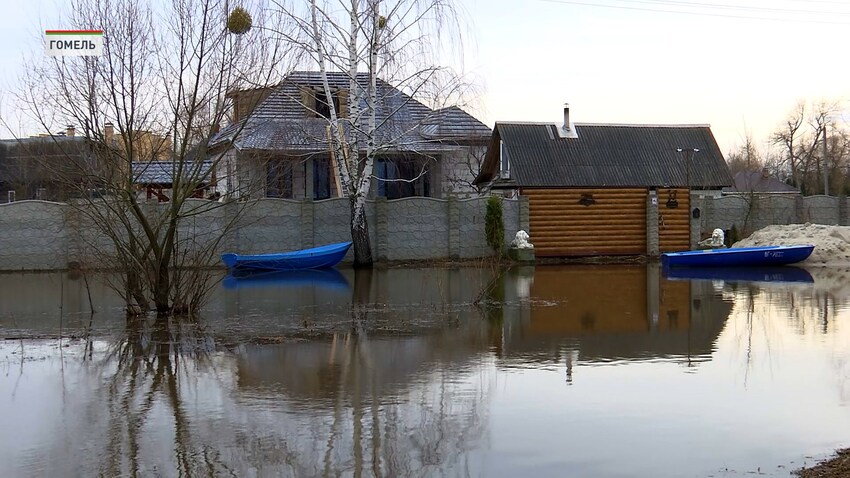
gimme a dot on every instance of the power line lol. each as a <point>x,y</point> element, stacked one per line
<point>716,6</point>
<point>693,13</point>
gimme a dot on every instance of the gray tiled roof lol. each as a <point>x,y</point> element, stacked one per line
<point>758,182</point>
<point>161,172</point>
<point>607,156</point>
<point>281,121</point>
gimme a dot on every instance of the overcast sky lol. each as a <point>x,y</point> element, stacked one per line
<point>737,65</point>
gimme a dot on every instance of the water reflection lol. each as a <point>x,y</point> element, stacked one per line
<point>323,278</point>
<point>600,313</point>
<point>532,371</point>
<point>746,274</point>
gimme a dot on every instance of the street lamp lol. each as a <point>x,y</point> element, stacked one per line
<point>825,170</point>
<point>687,161</point>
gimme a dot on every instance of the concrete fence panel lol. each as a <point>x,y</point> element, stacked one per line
<point>39,235</point>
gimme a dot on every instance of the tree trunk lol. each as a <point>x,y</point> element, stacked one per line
<point>134,293</point>
<point>360,233</point>
<point>162,288</point>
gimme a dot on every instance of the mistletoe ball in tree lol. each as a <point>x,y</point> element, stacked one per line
<point>239,21</point>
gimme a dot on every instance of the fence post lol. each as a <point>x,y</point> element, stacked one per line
<point>799,207</point>
<point>524,215</point>
<point>652,246</point>
<point>382,232</point>
<point>308,232</point>
<point>453,212</point>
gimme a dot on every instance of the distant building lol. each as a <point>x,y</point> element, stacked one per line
<point>47,167</point>
<point>758,182</point>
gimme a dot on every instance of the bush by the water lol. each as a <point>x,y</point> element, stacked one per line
<point>494,226</point>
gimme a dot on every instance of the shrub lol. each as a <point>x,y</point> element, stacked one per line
<point>732,236</point>
<point>494,226</point>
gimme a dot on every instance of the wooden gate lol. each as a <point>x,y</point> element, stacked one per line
<point>587,222</point>
<point>674,220</point>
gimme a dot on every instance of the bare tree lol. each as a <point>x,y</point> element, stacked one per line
<point>158,93</point>
<point>373,43</point>
<point>747,157</point>
<point>812,147</point>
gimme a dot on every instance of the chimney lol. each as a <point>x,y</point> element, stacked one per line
<point>566,116</point>
<point>108,131</point>
<point>70,131</point>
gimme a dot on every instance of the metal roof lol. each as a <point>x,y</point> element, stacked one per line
<point>281,121</point>
<point>759,182</point>
<point>608,156</point>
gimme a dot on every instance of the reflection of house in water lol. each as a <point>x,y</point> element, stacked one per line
<point>607,313</point>
<point>380,406</point>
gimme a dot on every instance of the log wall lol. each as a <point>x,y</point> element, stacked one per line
<point>583,222</point>
<point>674,220</point>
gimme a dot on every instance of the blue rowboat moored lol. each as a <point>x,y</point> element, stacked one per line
<point>314,258</point>
<point>738,256</point>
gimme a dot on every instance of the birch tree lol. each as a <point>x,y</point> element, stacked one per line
<point>400,42</point>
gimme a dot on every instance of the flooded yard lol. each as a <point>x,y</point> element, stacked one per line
<point>592,371</point>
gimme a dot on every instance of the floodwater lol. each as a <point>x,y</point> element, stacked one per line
<point>591,371</point>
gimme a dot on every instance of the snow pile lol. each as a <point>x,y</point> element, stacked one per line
<point>832,243</point>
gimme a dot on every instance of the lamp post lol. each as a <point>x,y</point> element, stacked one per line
<point>824,165</point>
<point>688,155</point>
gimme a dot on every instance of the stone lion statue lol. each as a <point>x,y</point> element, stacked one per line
<point>521,241</point>
<point>717,239</point>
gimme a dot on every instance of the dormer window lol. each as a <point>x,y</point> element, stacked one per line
<point>317,105</point>
<point>504,163</point>
<point>323,108</point>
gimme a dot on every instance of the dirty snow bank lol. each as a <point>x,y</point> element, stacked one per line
<point>832,243</point>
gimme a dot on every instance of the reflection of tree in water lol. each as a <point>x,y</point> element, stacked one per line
<point>377,425</point>
<point>364,404</point>
<point>150,364</point>
<point>376,405</point>
<point>762,309</point>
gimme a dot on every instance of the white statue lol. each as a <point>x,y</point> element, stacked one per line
<point>717,239</point>
<point>521,241</point>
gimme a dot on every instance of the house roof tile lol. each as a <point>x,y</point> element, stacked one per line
<point>281,121</point>
<point>608,156</point>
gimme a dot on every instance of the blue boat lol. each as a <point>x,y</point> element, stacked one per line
<point>738,256</point>
<point>741,274</point>
<point>315,258</point>
<point>325,278</point>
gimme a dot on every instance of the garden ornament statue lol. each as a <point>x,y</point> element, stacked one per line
<point>521,241</point>
<point>717,239</point>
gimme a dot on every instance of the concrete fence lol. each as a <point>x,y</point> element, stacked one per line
<point>41,235</point>
<point>750,213</point>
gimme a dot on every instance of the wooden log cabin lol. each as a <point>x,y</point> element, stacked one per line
<point>589,185</point>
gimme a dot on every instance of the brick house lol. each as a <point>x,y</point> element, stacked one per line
<point>277,143</point>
